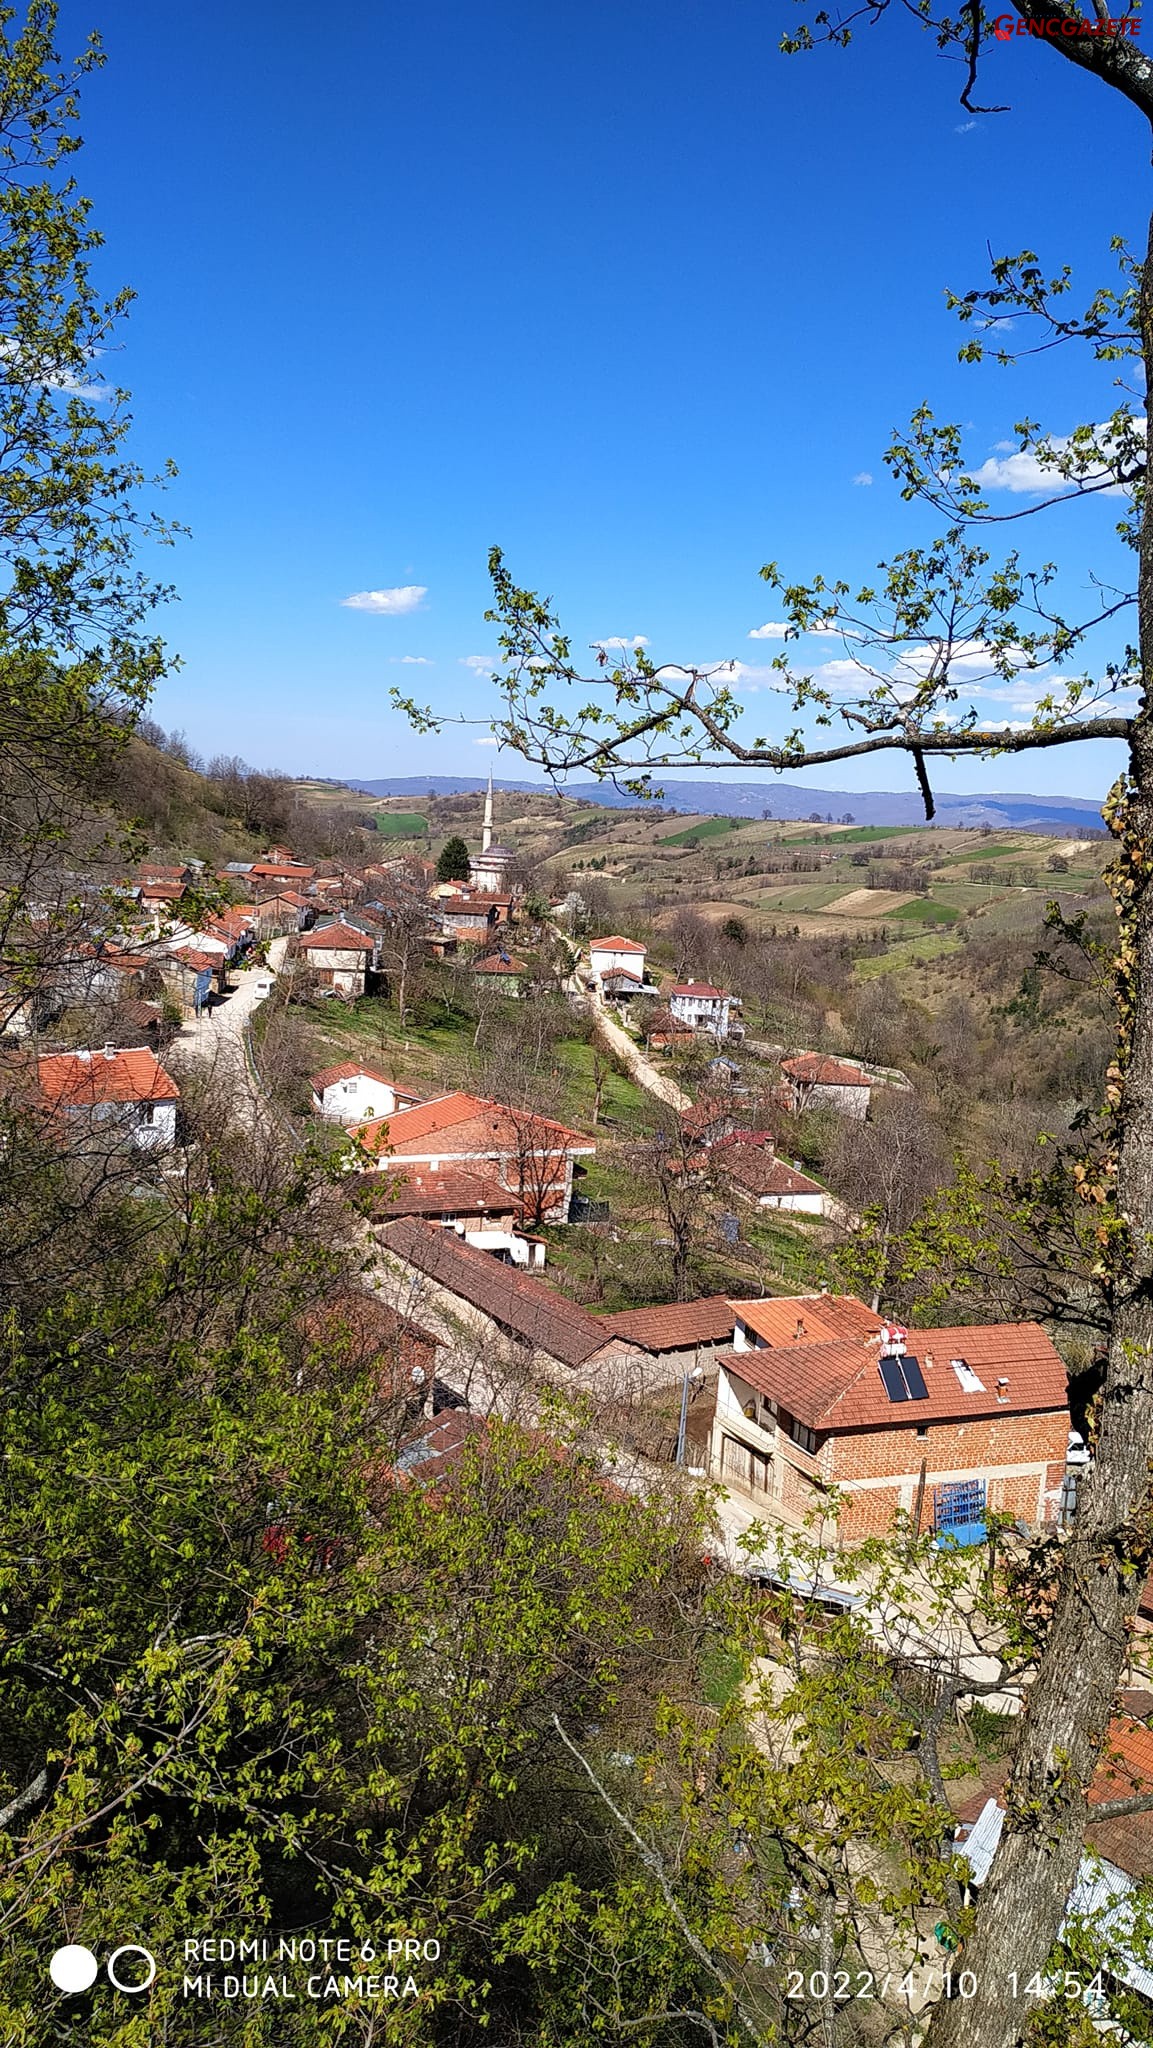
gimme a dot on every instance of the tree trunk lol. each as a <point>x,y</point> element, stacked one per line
<point>1023,1902</point>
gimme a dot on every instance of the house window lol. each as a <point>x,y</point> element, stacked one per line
<point>147,1112</point>
<point>923,1434</point>
<point>806,1438</point>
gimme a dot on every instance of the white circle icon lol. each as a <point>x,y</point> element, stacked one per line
<point>73,1968</point>
<point>131,1948</point>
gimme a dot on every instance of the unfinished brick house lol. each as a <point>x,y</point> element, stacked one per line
<point>967,1422</point>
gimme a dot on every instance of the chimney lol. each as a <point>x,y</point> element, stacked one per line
<point>110,1052</point>
<point>927,1361</point>
<point>1002,1389</point>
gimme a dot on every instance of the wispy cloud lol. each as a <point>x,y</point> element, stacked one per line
<point>621,643</point>
<point>69,383</point>
<point>864,477</point>
<point>480,664</point>
<point>403,597</point>
<point>412,660</point>
<point>963,127</point>
<point>773,629</point>
<point>488,741</point>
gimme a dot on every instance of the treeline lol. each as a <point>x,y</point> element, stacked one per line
<point>223,806</point>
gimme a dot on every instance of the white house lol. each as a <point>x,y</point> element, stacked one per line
<point>703,1007</point>
<point>815,1081</point>
<point>756,1175</point>
<point>353,1093</point>
<point>339,956</point>
<point>617,955</point>
<point>124,1088</point>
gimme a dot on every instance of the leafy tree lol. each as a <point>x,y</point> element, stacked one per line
<point>452,861</point>
<point>78,658</point>
<point>929,609</point>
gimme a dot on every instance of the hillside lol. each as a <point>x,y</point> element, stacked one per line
<point>789,801</point>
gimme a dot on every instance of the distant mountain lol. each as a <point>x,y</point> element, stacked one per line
<point>789,801</point>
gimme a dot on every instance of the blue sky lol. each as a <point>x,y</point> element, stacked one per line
<point>612,284</point>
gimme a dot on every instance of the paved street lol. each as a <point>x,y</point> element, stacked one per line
<point>216,1039</point>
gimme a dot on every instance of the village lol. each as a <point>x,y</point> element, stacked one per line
<point>815,1418</point>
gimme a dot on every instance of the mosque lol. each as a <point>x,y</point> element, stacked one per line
<point>488,869</point>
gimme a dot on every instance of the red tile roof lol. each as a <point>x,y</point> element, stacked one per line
<point>80,1080</point>
<point>350,1070</point>
<point>162,892</point>
<point>702,1117</point>
<point>703,989</point>
<point>615,945</point>
<point>189,956</point>
<point>287,871</point>
<point>336,938</point>
<point>1125,1770</point>
<point>526,1308</point>
<point>837,1384</point>
<point>437,1444</point>
<point>808,1318</point>
<point>759,1173</point>
<point>505,1128</point>
<point>820,1070</point>
<point>438,1194</point>
<point>678,1325</point>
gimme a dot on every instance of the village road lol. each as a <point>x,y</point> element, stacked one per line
<point>218,1039</point>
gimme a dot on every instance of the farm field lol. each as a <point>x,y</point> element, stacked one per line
<point>401,824</point>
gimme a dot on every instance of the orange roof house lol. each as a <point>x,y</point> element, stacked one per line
<point>532,1156</point>
<point>124,1087</point>
<point>814,1080</point>
<point>806,1401</point>
<point>80,1080</point>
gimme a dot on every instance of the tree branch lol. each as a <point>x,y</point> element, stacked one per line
<point>652,1863</point>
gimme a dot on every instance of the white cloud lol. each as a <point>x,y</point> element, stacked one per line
<point>774,629</point>
<point>863,477</point>
<point>741,675</point>
<point>412,660</point>
<point>480,664</point>
<point>487,742</point>
<point>1019,470</point>
<point>964,127</point>
<point>403,597</point>
<point>621,642</point>
<point>67,382</point>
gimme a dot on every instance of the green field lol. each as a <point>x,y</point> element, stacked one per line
<point>859,835</point>
<point>973,857</point>
<point>923,910</point>
<point>927,946</point>
<point>801,896</point>
<point>402,824</point>
<point>712,828</point>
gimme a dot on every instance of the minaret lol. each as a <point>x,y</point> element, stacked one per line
<point>486,835</point>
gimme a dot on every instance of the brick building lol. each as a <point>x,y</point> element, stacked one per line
<point>974,1420</point>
